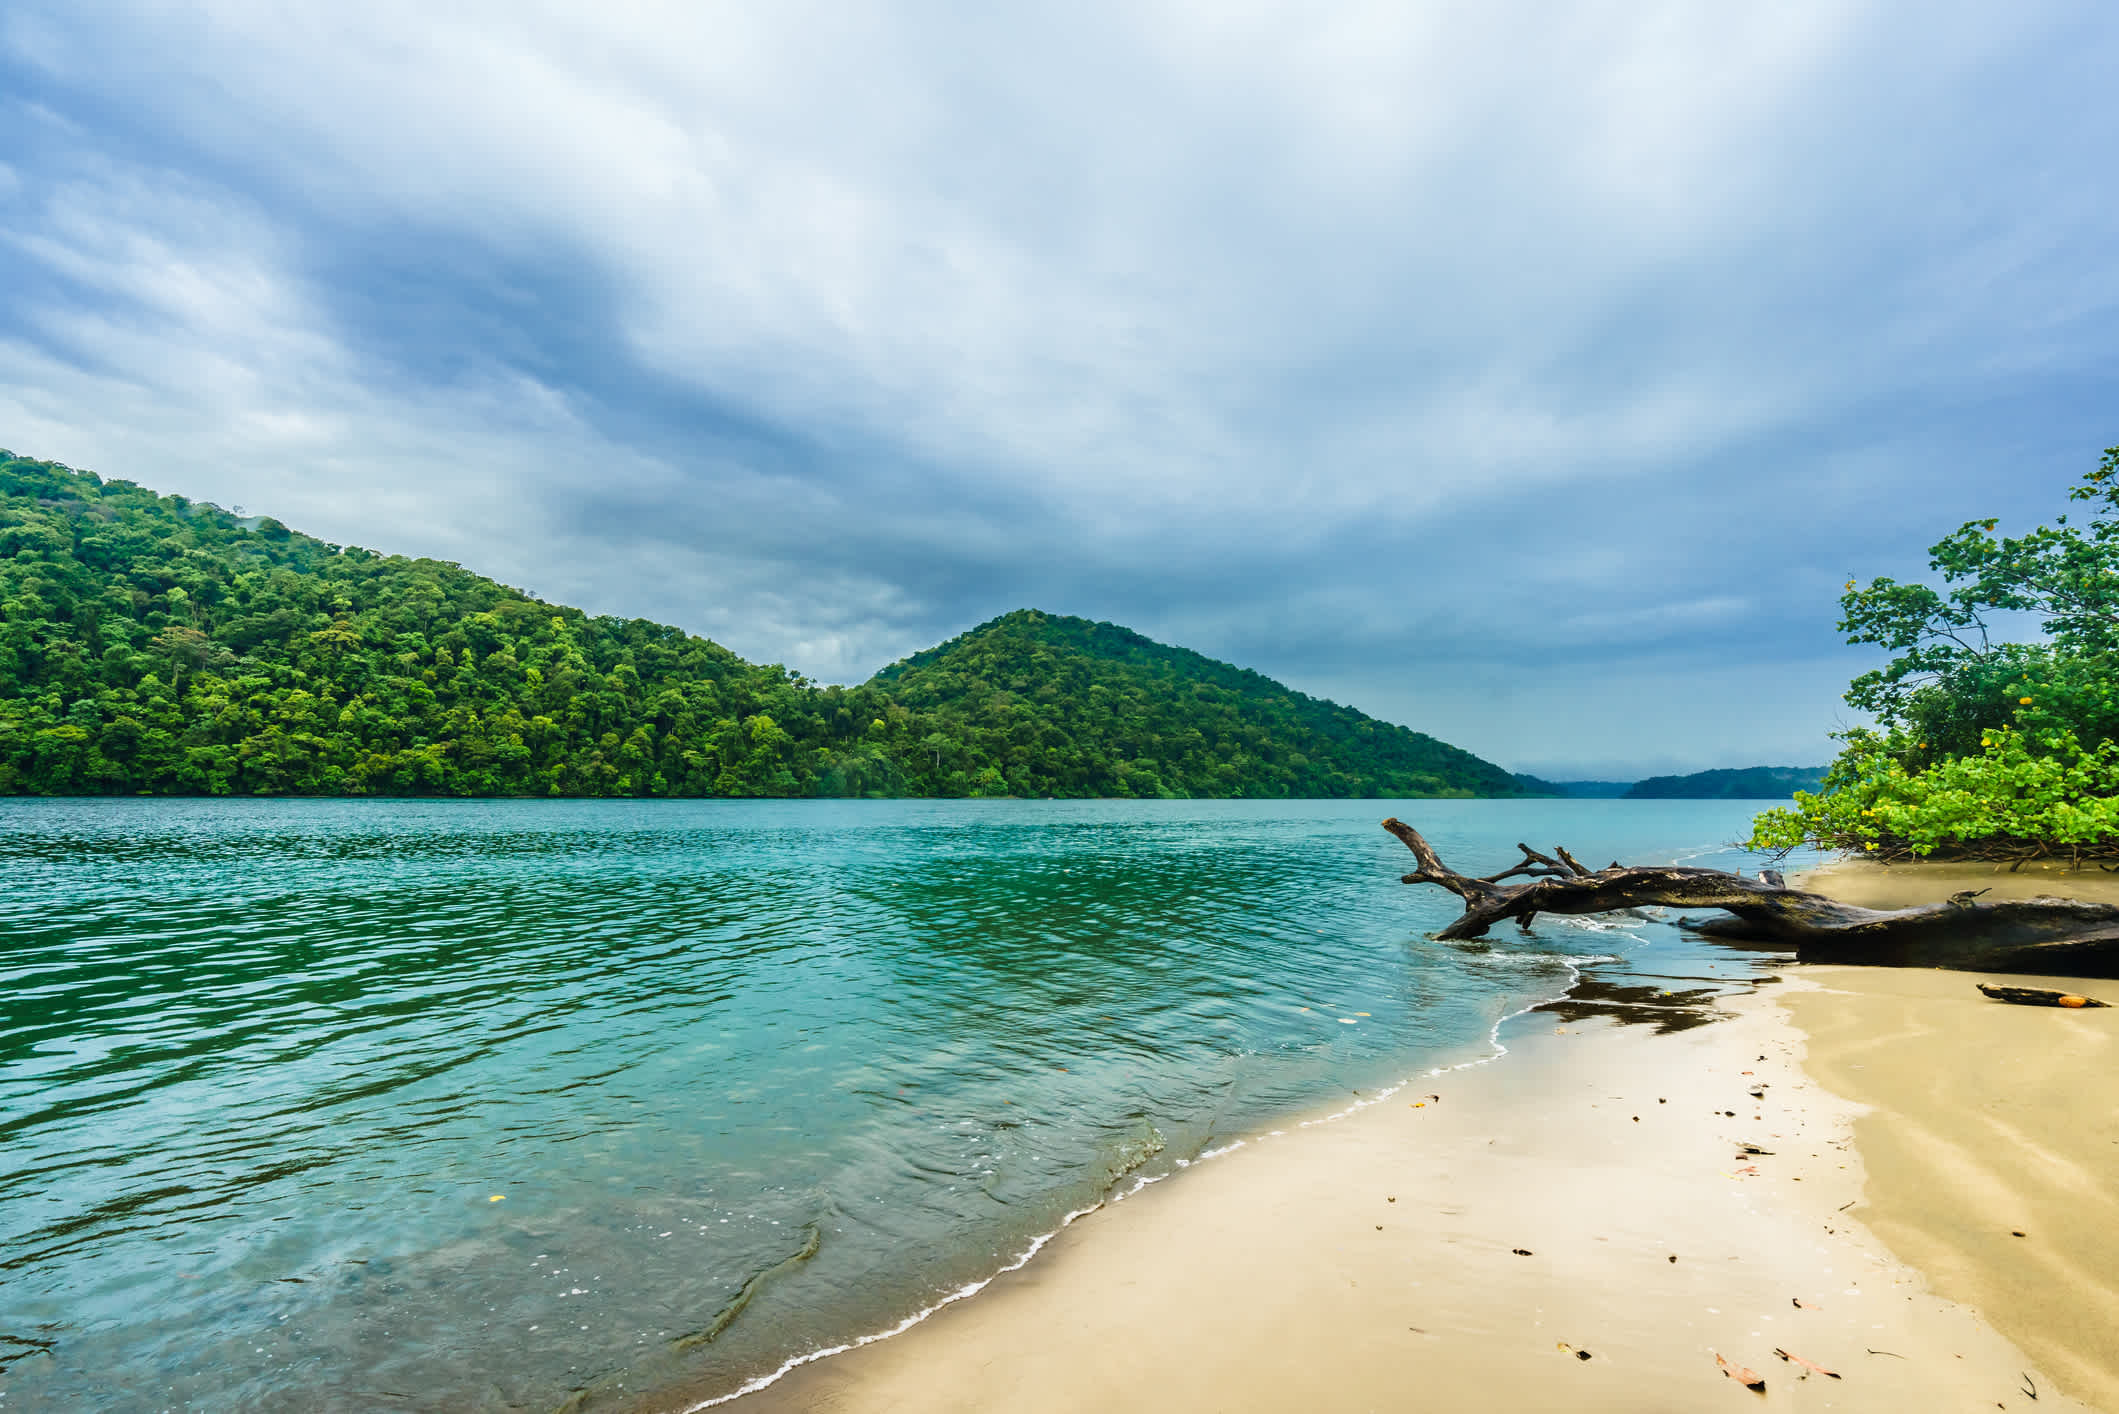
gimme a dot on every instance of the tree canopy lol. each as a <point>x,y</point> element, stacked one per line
<point>1983,747</point>
<point>151,644</point>
<point>1063,706</point>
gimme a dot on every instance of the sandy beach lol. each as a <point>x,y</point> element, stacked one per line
<point>1577,1226</point>
<point>1991,1135</point>
<point>1992,1148</point>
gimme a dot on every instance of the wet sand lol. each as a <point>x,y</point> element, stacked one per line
<point>1987,1120</point>
<point>1910,885</point>
<point>1587,1193</point>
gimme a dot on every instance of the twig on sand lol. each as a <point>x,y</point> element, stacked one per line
<point>1806,1364</point>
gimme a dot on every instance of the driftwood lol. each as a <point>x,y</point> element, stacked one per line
<point>2037,996</point>
<point>2051,936</point>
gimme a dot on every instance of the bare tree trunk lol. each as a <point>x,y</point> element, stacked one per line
<point>2053,936</point>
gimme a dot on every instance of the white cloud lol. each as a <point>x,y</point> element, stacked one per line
<point>827,328</point>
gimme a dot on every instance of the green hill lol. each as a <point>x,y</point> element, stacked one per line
<point>1746,783</point>
<point>1051,705</point>
<point>150,644</point>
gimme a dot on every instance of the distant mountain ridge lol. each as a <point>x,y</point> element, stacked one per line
<point>1744,783</point>
<point>150,644</point>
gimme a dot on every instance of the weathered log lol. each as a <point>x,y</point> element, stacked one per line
<point>2052,936</point>
<point>2038,996</point>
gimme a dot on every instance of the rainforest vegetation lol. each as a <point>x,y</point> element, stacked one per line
<point>1983,748</point>
<point>1035,689</point>
<point>153,644</point>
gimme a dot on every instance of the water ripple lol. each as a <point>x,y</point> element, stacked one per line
<point>306,1102</point>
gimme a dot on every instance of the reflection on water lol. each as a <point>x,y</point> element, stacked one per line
<point>482,1105</point>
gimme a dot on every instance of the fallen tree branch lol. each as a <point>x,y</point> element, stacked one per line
<point>2055,936</point>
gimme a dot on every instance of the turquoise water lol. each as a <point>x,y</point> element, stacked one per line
<point>266,1066</point>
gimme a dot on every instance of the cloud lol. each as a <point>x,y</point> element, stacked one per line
<point>1375,348</point>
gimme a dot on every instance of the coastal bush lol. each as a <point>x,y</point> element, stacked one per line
<point>1982,749</point>
<point>2015,791</point>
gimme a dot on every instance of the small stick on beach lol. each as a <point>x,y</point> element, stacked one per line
<point>2038,996</point>
<point>1806,1364</point>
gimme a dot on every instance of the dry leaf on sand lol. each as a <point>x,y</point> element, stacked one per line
<point>1749,1379</point>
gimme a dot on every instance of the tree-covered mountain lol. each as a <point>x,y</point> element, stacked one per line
<point>1051,705</point>
<point>1743,783</point>
<point>153,644</point>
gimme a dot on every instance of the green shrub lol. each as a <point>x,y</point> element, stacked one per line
<point>1982,749</point>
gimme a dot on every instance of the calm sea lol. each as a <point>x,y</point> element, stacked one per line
<point>482,1105</point>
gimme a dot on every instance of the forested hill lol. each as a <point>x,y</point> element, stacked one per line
<point>1064,706</point>
<point>1744,783</point>
<point>152,644</point>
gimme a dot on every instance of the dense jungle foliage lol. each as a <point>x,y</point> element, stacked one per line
<point>1071,707</point>
<point>153,644</point>
<point>1983,749</point>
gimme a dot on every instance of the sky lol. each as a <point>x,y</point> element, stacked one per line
<point>1531,374</point>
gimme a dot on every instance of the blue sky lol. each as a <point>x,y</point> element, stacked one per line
<point>1530,374</point>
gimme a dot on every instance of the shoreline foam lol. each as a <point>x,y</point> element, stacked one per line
<point>1496,1048</point>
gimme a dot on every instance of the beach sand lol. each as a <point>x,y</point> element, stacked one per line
<point>1987,1120</point>
<point>1586,1193</point>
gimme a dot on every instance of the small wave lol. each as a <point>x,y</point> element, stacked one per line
<point>812,1240</point>
<point>1523,961</point>
<point>962,1293</point>
<point>1594,924</point>
<point>1130,1155</point>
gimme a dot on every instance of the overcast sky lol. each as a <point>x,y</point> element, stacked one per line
<point>1530,374</point>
